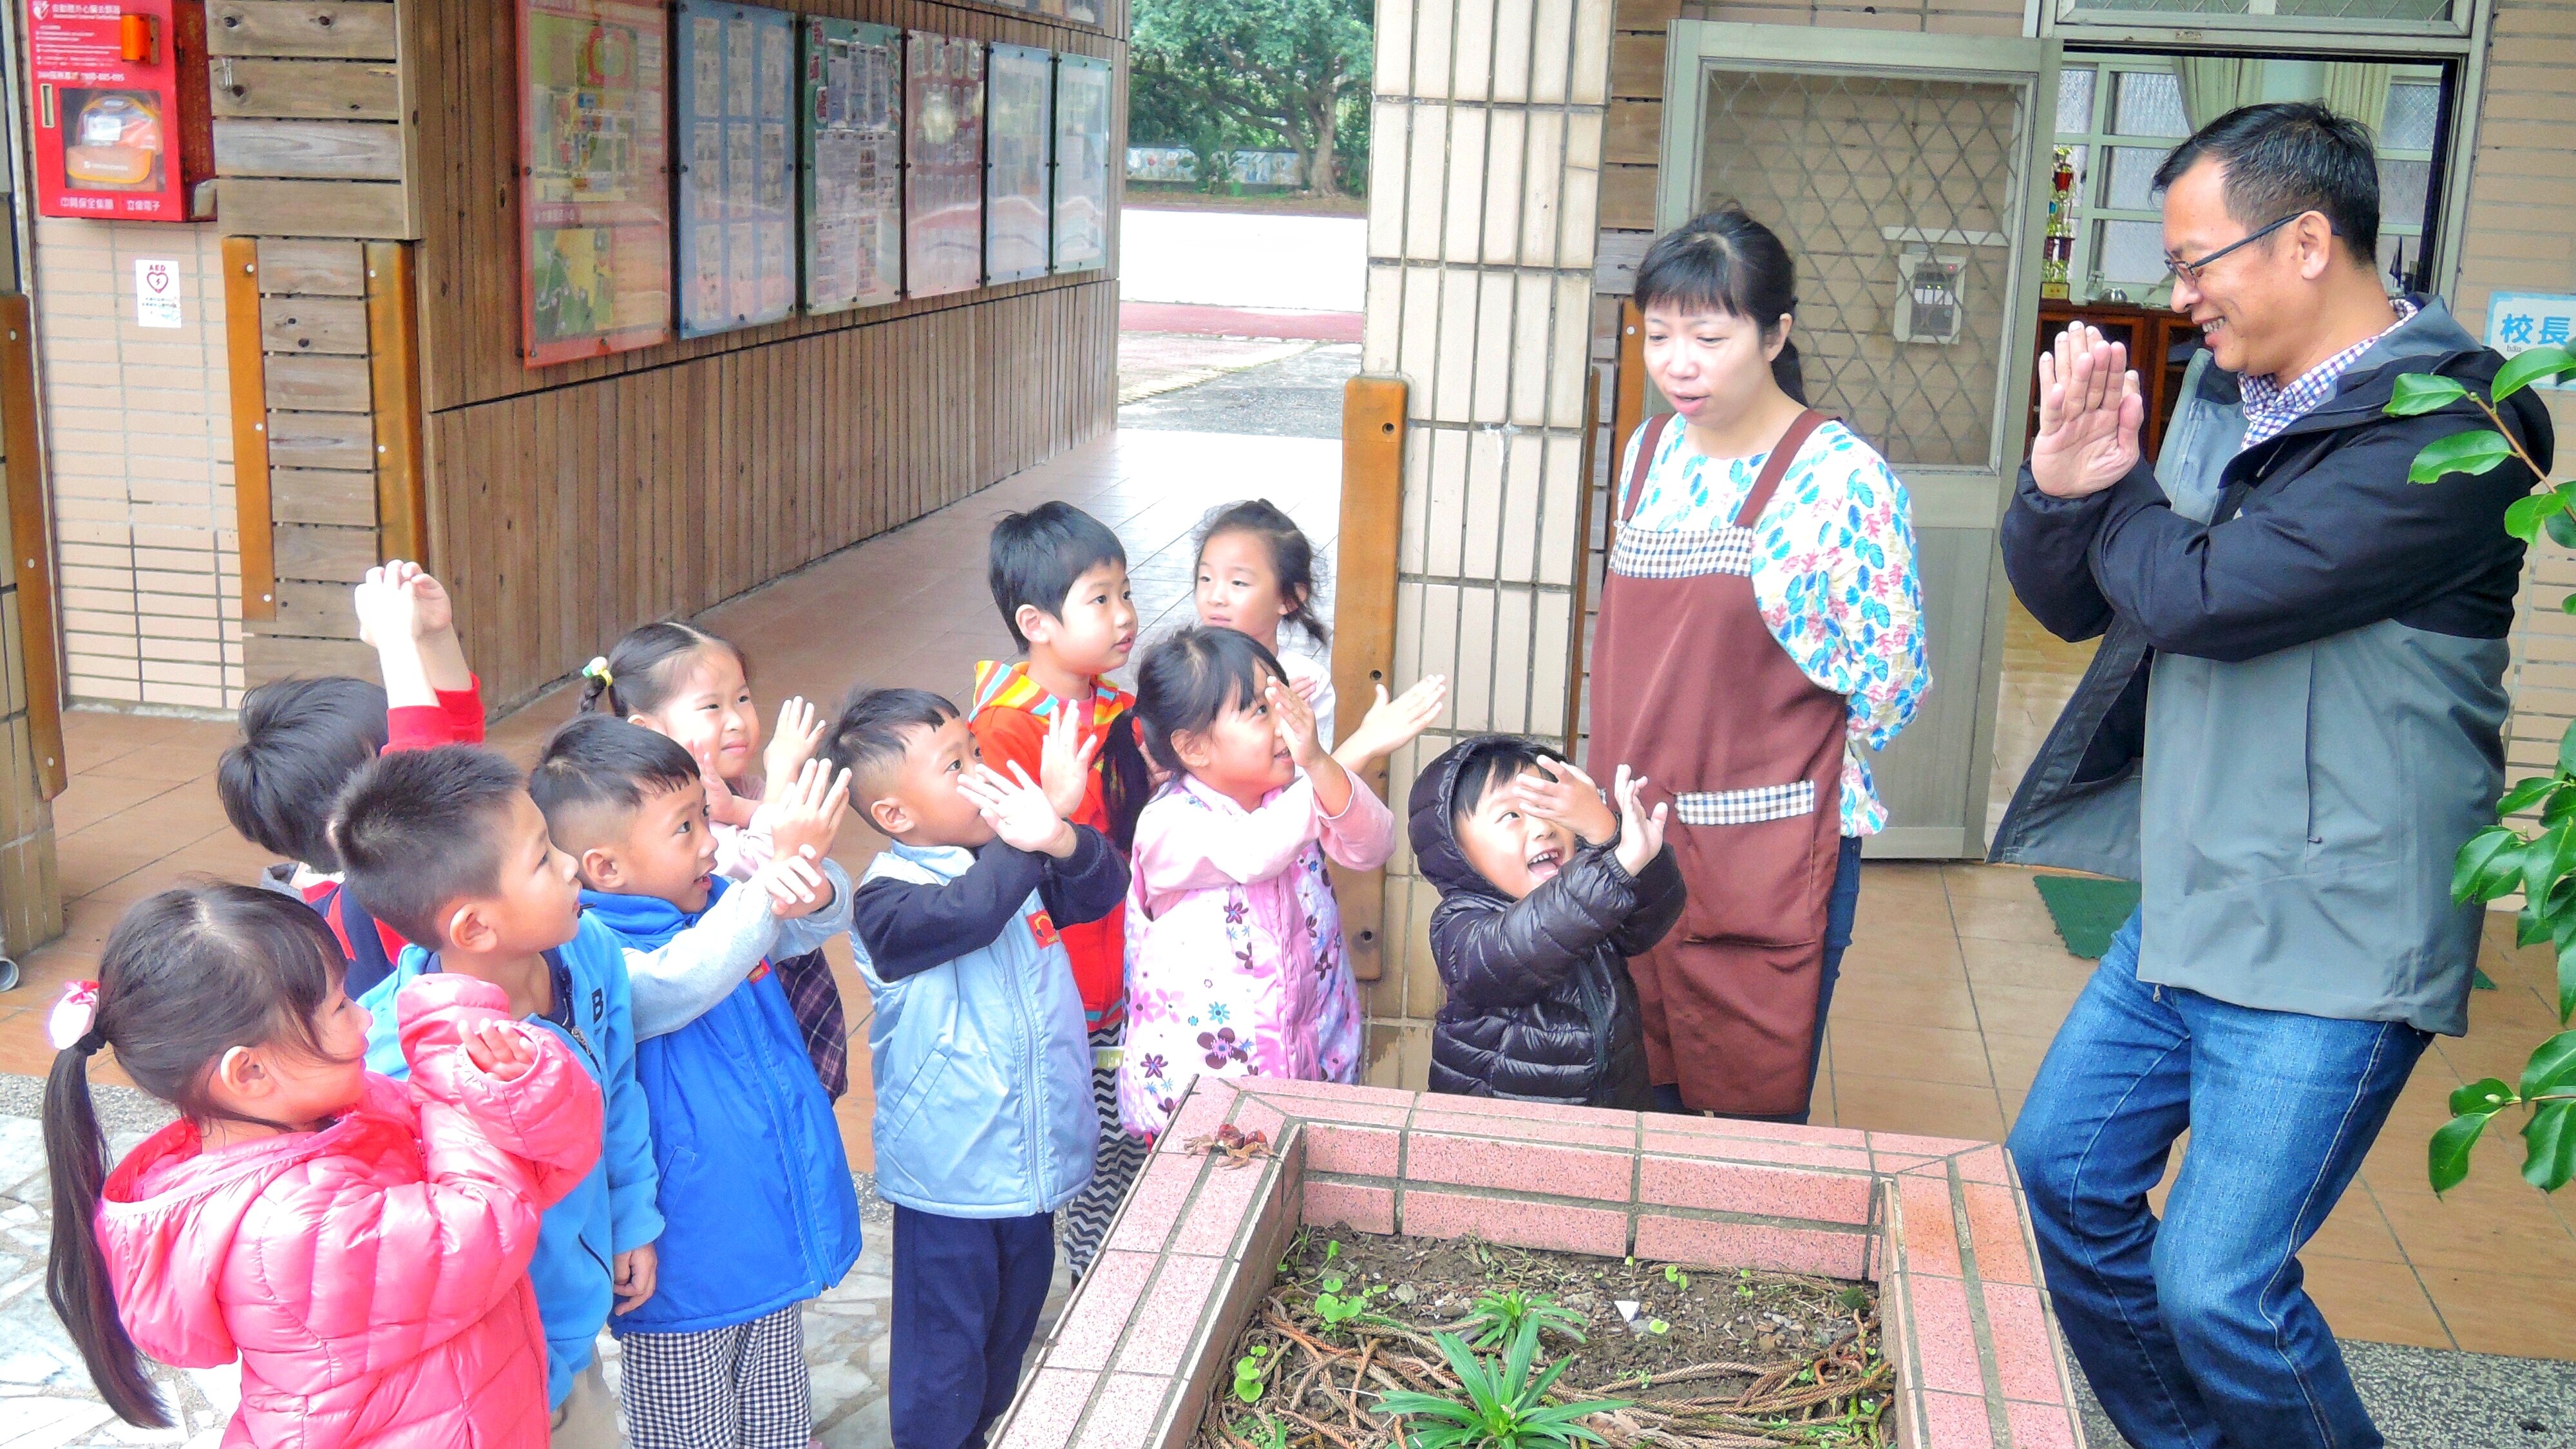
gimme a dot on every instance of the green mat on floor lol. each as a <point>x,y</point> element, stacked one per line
<point>2087,910</point>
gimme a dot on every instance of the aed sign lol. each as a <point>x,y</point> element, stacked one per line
<point>103,82</point>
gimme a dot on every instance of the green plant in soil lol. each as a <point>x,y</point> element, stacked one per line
<point>1248,1371</point>
<point>1338,1309</point>
<point>1501,1315</point>
<point>1500,1405</point>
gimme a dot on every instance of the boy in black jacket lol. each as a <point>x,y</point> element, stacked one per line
<point>1544,894</point>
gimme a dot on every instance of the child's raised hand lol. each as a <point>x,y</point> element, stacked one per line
<point>1641,834</point>
<point>808,819</point>
<point>636,1271</point>
<point>1018,810</point>
<point>1390,725</point>
<point>433,610</point>
<point>792,741</point>
<point>1567,796</point>
<point>795,885</point>
<point>1294,718</point>
<point>723,806</point>
<point>1310,685</point>
<point>1064,763</point>
<point>385,610</point>
<point>499,1051</point>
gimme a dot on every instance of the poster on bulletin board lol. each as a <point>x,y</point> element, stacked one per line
<point>852,110</point>
<point>1019,124</point>
<point>943,205</point>
<point>737,87</point>
<point>595,213</point>
<point>1081,163</point>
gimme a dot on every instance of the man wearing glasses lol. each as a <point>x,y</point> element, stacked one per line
<point>2292,723</point>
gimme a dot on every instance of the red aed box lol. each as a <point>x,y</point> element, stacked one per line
<point>122,127</point>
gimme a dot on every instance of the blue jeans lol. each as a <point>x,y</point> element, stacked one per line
<point>967,1295</point>
<point>2197,1331</point>
<point>1840,909</point>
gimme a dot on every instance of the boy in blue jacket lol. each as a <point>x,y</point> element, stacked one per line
<point>985,1123</point>
<point>759,1213</point>
<point>445,846</point>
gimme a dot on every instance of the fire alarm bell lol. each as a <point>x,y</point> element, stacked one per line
<point>122,126</point>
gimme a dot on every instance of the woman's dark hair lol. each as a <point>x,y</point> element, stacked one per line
<point>185,976</point>
<point>1292,558</point>
<point>644,670</point>
<point>1187,680</point>
<point>2287,157</point>
<point>1725,261</point>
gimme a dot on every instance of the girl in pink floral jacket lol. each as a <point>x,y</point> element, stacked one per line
<point>1234,946</point>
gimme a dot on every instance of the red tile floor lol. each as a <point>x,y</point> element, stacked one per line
<point>1953,986</point>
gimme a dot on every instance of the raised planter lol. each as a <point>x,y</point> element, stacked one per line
<point>1938,1223</point>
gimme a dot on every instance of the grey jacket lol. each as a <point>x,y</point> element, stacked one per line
<point>2295,715</point>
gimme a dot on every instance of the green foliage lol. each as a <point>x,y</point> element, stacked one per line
<point>1283,68</point>
<point>1501,1406</point>
<point>1248,1374</point>
<point>1674,1275</point>
<point>1501,1315</point>
<point>1337,1308</point>
<point>2504,858</point>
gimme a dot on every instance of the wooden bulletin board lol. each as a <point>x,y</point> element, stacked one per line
<point>852,111</point>
<point>1019,123</point>
<point>943,220</point>
<point>1082,87</point>
<point>595,224</point>
<point>737,141</point>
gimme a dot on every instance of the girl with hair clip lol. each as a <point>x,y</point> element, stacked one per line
<point>360,1246</point>
<point>680,681</point>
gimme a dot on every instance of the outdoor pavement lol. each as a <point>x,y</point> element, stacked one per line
<point>1954,983</point>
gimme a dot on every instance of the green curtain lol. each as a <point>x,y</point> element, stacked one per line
<point>2212,86</point>
<point>2358,89</point>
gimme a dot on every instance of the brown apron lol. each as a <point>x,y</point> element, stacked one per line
<point>1690,690</point>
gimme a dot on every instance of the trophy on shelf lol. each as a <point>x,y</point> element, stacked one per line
<point>2058,257</point>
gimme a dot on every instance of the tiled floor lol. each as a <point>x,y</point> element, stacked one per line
<point>1953,986</point>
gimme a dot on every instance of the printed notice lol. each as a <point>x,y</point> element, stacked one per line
<point>156,294</point>
<point>2520,321</point>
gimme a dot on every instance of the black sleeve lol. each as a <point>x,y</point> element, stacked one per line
<point>2346,542</point>
<point>1491,954</point>
<point>1086,885</point>
<point>1660,897</point>
<point>2048,545</point>
<point>907,927</point>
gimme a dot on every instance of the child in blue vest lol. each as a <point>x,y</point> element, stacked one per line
<point>984,1123</point>
<point>758,1210</point>
<point>445,846</point>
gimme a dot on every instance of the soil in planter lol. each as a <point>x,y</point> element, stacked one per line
<point>1707,1359</point>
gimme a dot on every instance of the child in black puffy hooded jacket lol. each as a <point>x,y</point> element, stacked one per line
<point>1544,894</point>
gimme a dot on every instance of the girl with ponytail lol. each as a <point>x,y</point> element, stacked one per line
<point>360,1247</point>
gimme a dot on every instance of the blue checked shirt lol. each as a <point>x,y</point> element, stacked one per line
<point>2270,408</point>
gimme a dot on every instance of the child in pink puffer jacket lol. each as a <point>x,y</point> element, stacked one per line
<point>360,1246</point>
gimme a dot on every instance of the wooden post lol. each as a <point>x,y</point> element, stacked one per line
<point>393,346</point>
<point>38,637</point>
<point>247,365</point>
<point>1364,578</point>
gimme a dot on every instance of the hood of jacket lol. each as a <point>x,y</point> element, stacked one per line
<point>648,923</point>
<point>1431,821</point>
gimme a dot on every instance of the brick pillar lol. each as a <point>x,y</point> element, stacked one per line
<point>1485,164</point>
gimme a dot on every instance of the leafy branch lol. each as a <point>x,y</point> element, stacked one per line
<point>2502,859</point>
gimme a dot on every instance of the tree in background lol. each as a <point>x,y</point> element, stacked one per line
<point>1280,68</point>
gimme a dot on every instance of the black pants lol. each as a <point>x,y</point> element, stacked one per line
<point>1840,908</point>
<point>967,1294</point>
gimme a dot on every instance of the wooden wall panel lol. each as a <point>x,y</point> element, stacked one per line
<point>567,505</point>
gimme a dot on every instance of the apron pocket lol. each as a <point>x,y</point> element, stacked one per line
<point>1750,859</point>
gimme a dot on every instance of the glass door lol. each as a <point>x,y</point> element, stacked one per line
<point>1907,174</point>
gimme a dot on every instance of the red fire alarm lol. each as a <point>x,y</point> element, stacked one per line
<point>123,129</point>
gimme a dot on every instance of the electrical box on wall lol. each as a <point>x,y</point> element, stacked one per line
<point>122,127</point>
<point>1928,305</point>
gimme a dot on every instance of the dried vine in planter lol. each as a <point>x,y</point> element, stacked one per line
<point>1317,1386</point>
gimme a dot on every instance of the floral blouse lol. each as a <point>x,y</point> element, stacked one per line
<point>1833,571</point>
